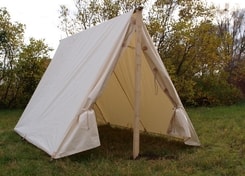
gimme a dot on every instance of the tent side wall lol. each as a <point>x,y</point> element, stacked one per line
<point>68,84</point>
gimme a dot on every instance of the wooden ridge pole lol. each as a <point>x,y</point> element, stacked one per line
<point>136,131</point>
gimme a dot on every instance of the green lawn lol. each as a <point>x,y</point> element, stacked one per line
<point>221,131</point>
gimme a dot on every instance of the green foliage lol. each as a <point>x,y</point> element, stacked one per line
<point>11,37</point>
<point>232,22</point>
<point>21,65</point>
<point>220,130</point>
<point>32,63</point>
<point>238,75</point>
<point>194,51</point>
<point>11,41</point>
<point>216,91</point>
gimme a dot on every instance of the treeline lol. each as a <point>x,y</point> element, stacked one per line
<point>202,47</point>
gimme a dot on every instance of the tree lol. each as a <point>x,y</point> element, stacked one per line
<point>186,41</point>
<point>232,22</point>
<point>21,65</point>
<point>192,50</point>
<point>11,37</point>
<point>32,63</point>
<point>92,12</point>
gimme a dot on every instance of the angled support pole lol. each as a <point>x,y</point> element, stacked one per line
<point>136,132</point>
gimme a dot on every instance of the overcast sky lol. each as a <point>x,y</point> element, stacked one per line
<point>41,16</point>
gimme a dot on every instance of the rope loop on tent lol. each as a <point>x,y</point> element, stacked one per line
<point>178,107</point>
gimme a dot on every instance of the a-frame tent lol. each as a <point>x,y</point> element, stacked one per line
<point>110,73</point>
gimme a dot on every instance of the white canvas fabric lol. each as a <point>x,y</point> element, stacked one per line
<point>91,80</point>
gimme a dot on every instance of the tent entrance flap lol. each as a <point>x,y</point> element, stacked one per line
<point>73,142</point>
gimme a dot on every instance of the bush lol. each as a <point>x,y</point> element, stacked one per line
<point>216,91</point>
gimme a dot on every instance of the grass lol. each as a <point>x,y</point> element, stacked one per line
<point>220,129</point>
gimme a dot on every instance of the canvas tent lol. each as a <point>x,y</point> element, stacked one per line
<point>110,73</point>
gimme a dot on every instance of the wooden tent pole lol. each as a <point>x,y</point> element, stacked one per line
<point>136,132</point>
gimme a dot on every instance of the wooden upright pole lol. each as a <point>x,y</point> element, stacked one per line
<point>136,132</point>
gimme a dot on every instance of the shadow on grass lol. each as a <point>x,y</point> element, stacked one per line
<point>116,143</point>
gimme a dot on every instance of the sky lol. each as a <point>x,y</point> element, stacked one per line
<point>41,17</point>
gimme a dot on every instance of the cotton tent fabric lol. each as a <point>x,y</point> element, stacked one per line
<point>91,81</point>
